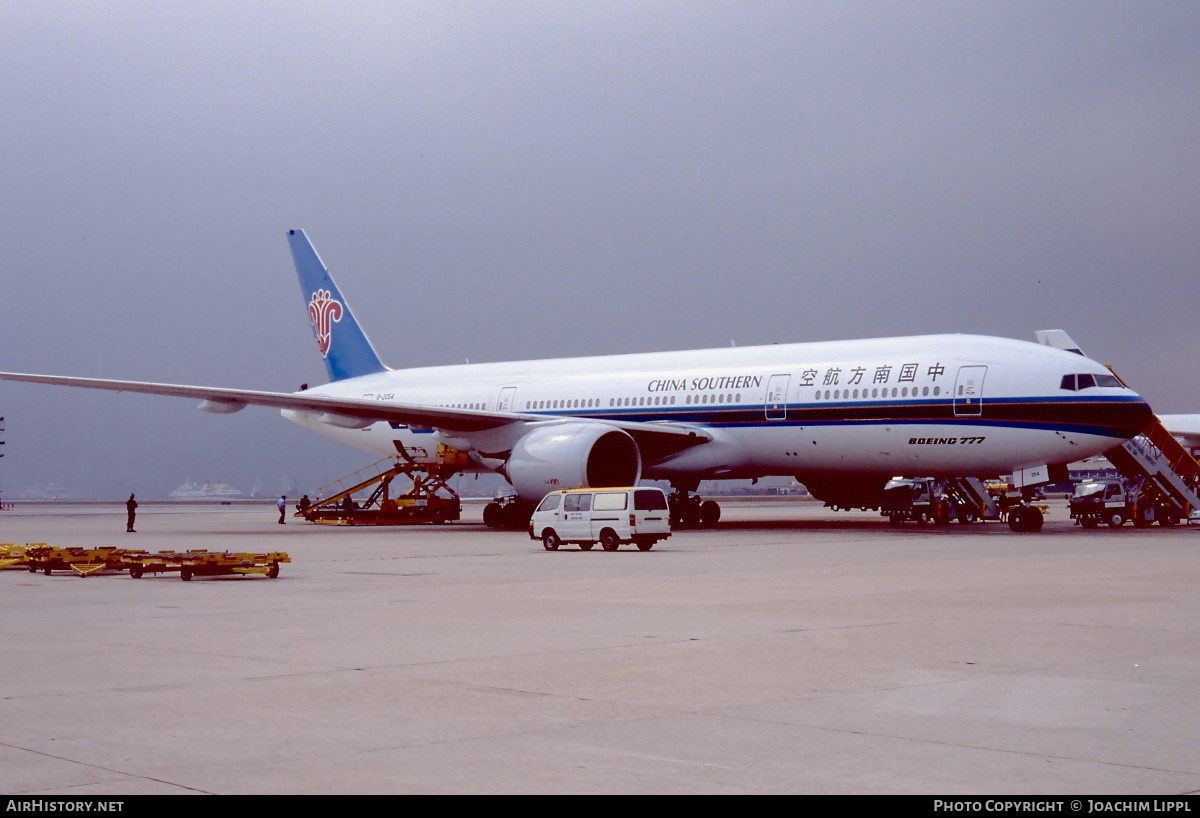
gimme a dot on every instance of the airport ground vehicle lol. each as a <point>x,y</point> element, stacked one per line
<point>927,500</point>
<point>1115,501</point>
<point>607,516</point>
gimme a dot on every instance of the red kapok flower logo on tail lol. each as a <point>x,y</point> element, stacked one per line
<point>323,311</point>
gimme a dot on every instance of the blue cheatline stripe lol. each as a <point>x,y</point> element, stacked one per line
<point>810,415</point>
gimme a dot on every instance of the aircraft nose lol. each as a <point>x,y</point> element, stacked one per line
<point>1136,416</point>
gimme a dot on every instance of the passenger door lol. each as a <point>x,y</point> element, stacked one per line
<point>577,517</point>
<point>776,398</point>
<point>610,509</point>
<point>968,391</point>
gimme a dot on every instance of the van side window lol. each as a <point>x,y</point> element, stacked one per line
<point>612,501</point>
<point>578,502</point>
<point>549,502</point>
<point>645,500</point>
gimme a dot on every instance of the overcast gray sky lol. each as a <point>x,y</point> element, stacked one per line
<point>506,180</point>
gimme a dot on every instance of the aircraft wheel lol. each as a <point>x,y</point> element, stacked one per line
<point>710,513</point>
<point>550,540</point>
<point>1015,517</point>
<point>608,540</point>
<point>1115,519</point>
<point>1032,520</point>
<point>492,515</point>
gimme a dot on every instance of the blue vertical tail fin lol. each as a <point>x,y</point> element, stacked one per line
<point>342,343</point>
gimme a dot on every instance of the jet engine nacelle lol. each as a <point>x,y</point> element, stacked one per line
<point>570,455</point>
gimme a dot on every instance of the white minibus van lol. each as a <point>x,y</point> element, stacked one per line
<point>606,516</point>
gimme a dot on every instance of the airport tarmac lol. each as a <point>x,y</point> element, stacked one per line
<point>790,650</point>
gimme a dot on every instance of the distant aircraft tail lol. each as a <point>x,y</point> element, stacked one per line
<point>343,344</point>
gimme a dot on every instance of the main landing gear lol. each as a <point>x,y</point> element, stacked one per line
<point>689,510</point>
<point>1024,516</point>
<point>507,512</point>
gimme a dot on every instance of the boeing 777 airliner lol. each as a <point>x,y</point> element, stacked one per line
<point>842,417</point>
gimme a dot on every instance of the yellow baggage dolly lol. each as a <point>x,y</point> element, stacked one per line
<point>83,561</point>
<point>13,555</point>
<point>200,563</point>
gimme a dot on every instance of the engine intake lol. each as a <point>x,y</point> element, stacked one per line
<point>570,455</point>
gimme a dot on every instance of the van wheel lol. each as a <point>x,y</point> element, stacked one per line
<point>608,540</point>
<point>645,544</point>
<point>550,540</point>
<point>586,546</point>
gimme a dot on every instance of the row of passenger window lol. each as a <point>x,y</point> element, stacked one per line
<point>641,400</point>
<point>731,398</point>
<point>876,392</point>
<point>575,403</point>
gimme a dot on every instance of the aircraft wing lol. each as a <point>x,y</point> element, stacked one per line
<point>657,439</point>
<point>1184,427</point>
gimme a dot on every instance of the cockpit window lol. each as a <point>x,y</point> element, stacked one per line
<point>1086,380</point>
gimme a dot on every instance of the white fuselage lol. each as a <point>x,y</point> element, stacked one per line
<point>928,405</point>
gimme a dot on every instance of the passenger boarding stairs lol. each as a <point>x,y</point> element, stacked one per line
<point>972,490</point>
<point>430,499</point>
<point>1156,456</point>
<point>333,494</point>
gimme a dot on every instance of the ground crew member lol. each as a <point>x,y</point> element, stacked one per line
<point>281,504</point>
<point>130,513</point>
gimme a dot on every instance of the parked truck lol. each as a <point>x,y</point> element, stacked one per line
<point>1115,501</point>
<point>925,500</point>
